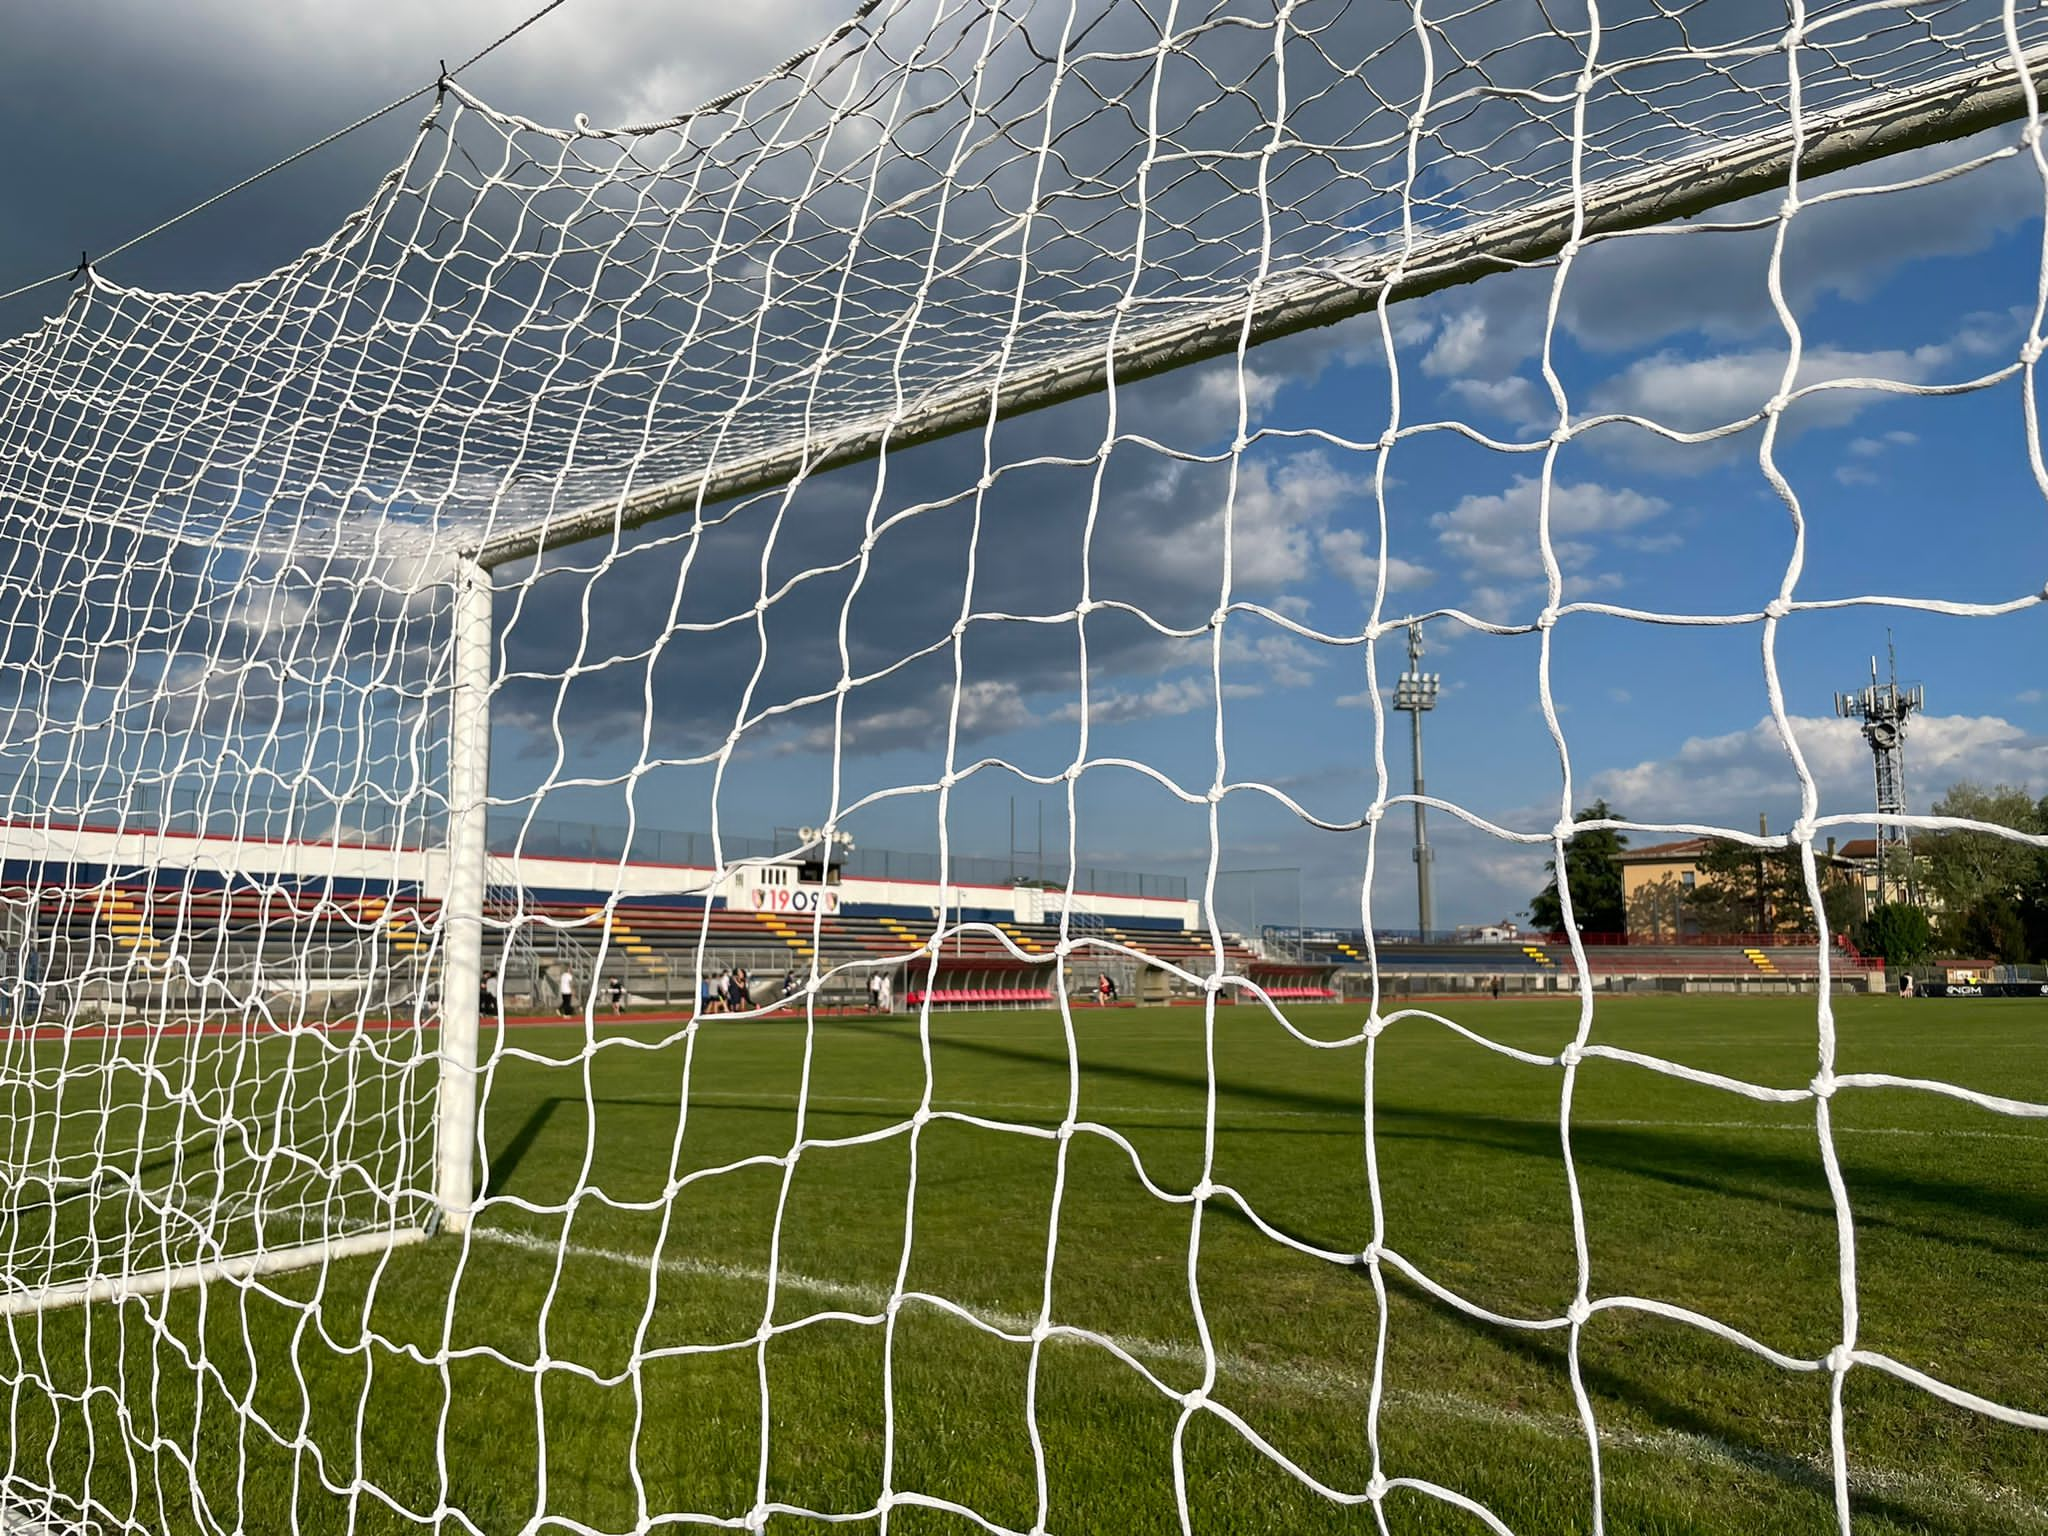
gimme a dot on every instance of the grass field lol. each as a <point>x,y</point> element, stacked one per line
<point>593,1354</point>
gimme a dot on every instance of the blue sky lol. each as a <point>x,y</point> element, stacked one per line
<point>1910,496</point>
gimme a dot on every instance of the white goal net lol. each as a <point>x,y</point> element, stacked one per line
<point>931,415</point>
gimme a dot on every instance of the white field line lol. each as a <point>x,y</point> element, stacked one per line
<point>851,1101</point>
<point>1955,1496</point>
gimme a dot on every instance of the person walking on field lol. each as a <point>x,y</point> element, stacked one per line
<point>568,992</point>
<point>618,994</point>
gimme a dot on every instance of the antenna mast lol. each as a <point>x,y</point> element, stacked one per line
<point>1884,708</point>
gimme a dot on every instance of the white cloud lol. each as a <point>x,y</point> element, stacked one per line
<point>1281,660</point>
<point>1164,699</point>
<point>1343,550</point>
<point>1460,345</point>
<point>1641,291</point>
<point>1494,537</point>
<point>1694,393</point>
<point>1273,526</point>
<point>1727,780</point>
<point>1288,523</point>
<point>1516,399</point>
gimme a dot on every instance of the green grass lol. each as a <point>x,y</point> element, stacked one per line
<point>545,1373</point>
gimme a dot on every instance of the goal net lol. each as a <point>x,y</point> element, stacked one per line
<point>961,410</point>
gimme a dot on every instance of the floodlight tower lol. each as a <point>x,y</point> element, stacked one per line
<point>1415,691</point>
<point>1884,709</point>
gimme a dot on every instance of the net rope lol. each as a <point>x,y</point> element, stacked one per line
<point>234,520</point>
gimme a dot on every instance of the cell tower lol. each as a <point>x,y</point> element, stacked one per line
<point>1884,709</point>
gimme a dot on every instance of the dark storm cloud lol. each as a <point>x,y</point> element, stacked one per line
<point>524,323</point>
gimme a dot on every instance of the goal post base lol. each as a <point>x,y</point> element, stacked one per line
<point>243,1267</point>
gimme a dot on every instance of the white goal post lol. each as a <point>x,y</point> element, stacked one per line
<point>690,451</point>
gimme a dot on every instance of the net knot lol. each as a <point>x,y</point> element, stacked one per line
<point>1203,1192</point>
<point>1547,619</point>
<point>1196,1400</point>
<point>1563,830</point>
<point>1376,1488</point>
<point>948,779</point>
<point>1840,1358</point>
<point>1579,1311</point>
<point>2030,350</point>
<point>921,1117</point>
<point>1801,833</point>
<point>1777,608</point>
<point>757,1519</point>
<point>1373,813</point>
<point>1561,435</point>
<point>1215,794</point>
<point>1824,1085</point>
<point>1375,1026</point>
<point>2030,135</point>
<point>1370,1256</point>
<point>1571,1055</point>
<point>1086,606</point>
<point>1041,1331</point>
<point>1775,405</point>
<point>1216,619</point>
<point>1065,1131</point>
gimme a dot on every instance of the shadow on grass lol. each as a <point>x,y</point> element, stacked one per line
<point>1794,1183</point>
<point>1718,1437</point>
<point>506,1161</point>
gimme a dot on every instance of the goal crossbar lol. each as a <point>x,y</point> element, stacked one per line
<point>1843,138</point>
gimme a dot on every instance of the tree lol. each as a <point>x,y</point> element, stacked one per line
<point>1961,867</point>
<point>1992,890</point>
<point>1593,871</point>
<point>1898,932</point>
<point>1990,928</point>
<point>1746,889</point>
<point>1741,888</point>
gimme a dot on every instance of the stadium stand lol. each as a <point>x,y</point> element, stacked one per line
<point>170,947</point>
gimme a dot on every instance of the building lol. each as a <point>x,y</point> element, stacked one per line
<point>1860,857</point>
<point>1501,932</point>
<point>1655,882</point>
